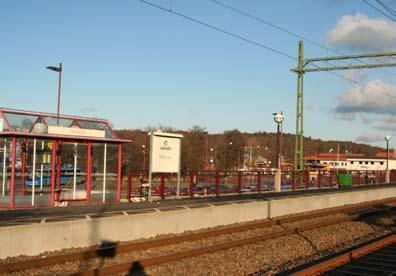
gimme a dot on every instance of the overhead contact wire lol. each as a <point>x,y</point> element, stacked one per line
<point>257,44</point>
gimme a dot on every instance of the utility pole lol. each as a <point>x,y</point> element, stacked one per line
<point>364,61</point>
<point>299,151</point>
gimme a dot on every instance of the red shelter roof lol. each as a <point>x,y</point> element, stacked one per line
<point>28,124</point>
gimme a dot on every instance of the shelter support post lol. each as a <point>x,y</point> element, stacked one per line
<point>75,170</point>
<point>23,171</point>
<point>119,172</point>
<point>59,168</point>
<point>53,173</point>
<point>4,166</point>
<point>13,156</point>
<point>89,172</point>
<point>104,172</point>
<point>41,167</point>
<point>34,170</point>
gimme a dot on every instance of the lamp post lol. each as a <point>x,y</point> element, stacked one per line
<point>387,175</point>
<point>278,118</point>
<point>229,156</point>
<point>59,70</point>
<point>212,158</point>
<point>144,157</point>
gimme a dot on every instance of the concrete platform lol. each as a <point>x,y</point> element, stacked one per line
<point>47,232</point>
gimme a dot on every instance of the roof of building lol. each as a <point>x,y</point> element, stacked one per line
<point>29,124</point>
<point>344,157</point>
<point>383,154</point>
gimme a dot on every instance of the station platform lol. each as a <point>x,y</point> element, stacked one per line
<point>34,231</point>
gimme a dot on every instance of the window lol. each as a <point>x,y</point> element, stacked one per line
<point>382,163</point>
<point>372,162</point>
<point>360,162</point>
<point>324,162</point>
<point>351,162</point>
<point>366,162</point>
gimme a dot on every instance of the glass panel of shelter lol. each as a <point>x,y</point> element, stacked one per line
<point>97,126</point>
<point>54,121</point>
<point>33,172</point>
<point>104,172</point>
<point>5,171</point>
<point>73,185</point>
<point>3,123</point>
<point>20,122</point>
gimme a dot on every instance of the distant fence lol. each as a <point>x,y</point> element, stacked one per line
<point>217,183</point>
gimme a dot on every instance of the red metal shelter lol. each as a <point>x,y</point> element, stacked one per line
<point>38,150</point>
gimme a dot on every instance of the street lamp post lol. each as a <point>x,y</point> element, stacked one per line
<point>387,175</point>
<point>144,157</point>
<point>212,158</point>
<point>229,156</point>
<point>59,70</point>
<point>278,118</point>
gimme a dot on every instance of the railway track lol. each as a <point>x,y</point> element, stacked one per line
<point>375,258</point>
<point>355,211</point>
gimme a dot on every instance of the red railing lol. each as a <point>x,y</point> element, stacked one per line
<point>217,183</point>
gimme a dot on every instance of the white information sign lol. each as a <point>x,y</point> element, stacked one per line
<point>165,154</point>
<point>165,150</point>
<point>1,124</point>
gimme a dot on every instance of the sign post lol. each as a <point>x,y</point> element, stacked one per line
<point>165,153</point>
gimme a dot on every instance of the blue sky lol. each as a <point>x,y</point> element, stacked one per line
<point>138,66</point>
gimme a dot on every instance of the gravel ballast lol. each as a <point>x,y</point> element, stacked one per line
<point>262,258</point>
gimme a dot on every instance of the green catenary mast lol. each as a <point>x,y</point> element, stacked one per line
<point>363,61</point>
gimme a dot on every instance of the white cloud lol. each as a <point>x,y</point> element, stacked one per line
<point>387,123</point>
<point>89,109</point>
<point>369,138</point>
<point>368,99</point>
<point>359,32</point>
<point>346,116</point>
<point>356,75</point>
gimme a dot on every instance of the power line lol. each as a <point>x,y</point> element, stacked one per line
<point>257,44</point>
<point>220,30</point>
<point>386,7</point>
<point>266,22</point>
<point>378,10</point>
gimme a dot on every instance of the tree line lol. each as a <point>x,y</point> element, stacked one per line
<point>229,150</point>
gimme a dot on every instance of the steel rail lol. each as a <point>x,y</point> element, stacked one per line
<point>320,268</point>
<point>121,249</point>
<point>141,264</point>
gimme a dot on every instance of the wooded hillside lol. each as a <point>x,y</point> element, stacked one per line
<point>230,149</point>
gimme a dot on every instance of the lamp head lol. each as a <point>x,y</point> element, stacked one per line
<point>278,117</point>
<point>387,138</point>
<point>54,68</point>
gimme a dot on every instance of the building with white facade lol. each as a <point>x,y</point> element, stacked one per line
<point>351,162</point>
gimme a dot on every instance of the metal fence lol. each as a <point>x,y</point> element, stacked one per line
<point>218,183</point>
